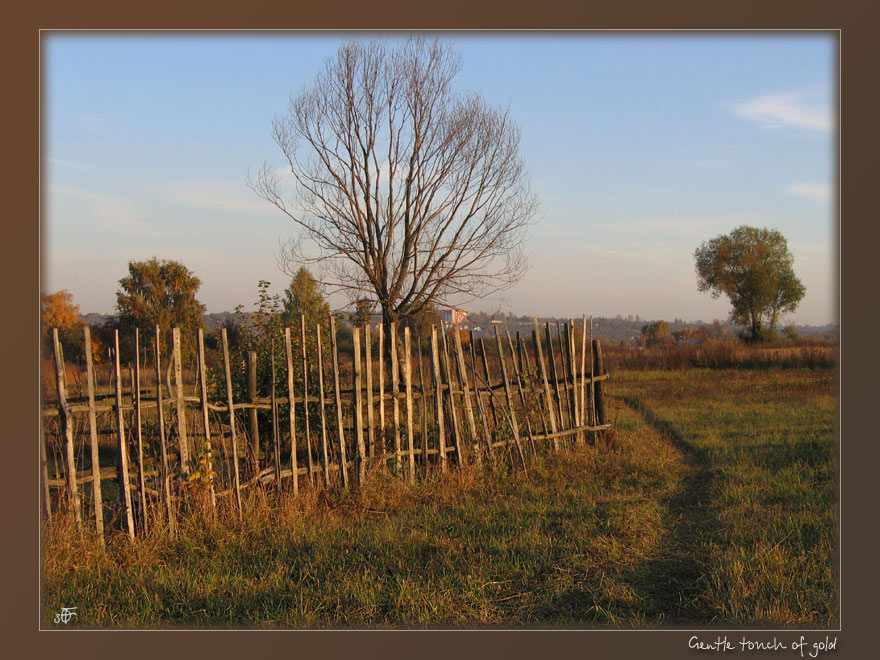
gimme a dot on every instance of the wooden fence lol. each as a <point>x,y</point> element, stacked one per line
<point>455,402</point>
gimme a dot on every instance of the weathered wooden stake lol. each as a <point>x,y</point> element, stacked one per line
<point>489,383</point>
<point>407,375</point>
<point>468,408</point>
<point>231,406</point>
<point>324,444</point>
<point>423,401</point>
<point>66,419</point>
<point>305,361</point>
<point>450,387</point>
<point>438,391</point>
<point>343,463</point>
<point>368,367</point>
<point>487,436</point>
<point>382,387</point>
<point>93,438</point>
<point>206,423</point>
<point>164,469</point>
<point>600,385</point>
<point>358,408</point>
<point>292,413</point>
<point>554,375</point>
<point>181,406</point>
<point>44,471</point>
<point>395,390</point>
<point>513,422</point>
<point>136,389</point>
<point>252,412</point>
<point>548,398</point>
<point>276,435</point>
<point>124,485</point>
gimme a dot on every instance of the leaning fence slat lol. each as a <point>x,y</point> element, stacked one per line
<point>124,484</point>
<point>382,387</point>
<point>407,375</point>
<point>487,436</point>
<point>438,391</point>
<point>324,447</point>
<point>359,408</point>
<point>292,411</point>
<point>509,396</point>
<point>276,436</point>
<point>305,361</point>
<point>450,381</point>
<point>368,367</point>
<point>227,373</point>
<point>519,385</point>
<point>343,463</point>
<point>67,429</point>
<point>584,413</point>
<point>468,408</point>
<point>138,429</point>
<point>548,399</point>
<point>44,472</point>
<point>252,413</point>
<point>488,383</point>
<point>395,390</point>
<point>165,473</point>
<point>423,406</point>
<point>93,438</point>
<point>181,407</point>
<point>599,389</point>
<point>206,423</point>
<point>554,375</point>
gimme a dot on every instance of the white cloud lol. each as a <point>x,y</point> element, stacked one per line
<point>815,192</point>
<point>790,110</point>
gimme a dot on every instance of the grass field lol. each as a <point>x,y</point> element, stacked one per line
<point>715,505</point>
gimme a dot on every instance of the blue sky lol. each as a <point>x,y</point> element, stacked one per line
<point>640,147</point>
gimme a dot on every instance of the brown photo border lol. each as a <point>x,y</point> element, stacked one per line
<point>19,611</point>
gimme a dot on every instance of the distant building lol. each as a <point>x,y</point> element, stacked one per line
<point>452,316</point>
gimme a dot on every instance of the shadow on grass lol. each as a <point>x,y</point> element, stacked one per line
<point>670,587</point>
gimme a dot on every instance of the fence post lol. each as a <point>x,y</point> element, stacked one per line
<point>548,399</point>
<point>276,440</point>
<point>513,423</point>
<point>305,361</point>
<point>368,367</point>
<point>124,486</point>
<point>164,475</point>
<point>441,434</point>
<point>229,404</point>
<point>93,438</point>
<point>67,429</point>
<point>395,389</point>
<point>181,406</point>
<point>479,397</point>
<point>324,447</point>
<point>136,387</point>
<point>44,467</point>
<point>599,390</point>
<point>424,406</point>
<point>407,375</point>
<point>343,463</point>
<point>450,386</point>
<point>294,467</point>
<point>359,408</point>
<point>468,408</point>
<point>206,422</point>
<point>252,412</point>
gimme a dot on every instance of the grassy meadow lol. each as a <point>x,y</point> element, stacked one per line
<point>713,503</point>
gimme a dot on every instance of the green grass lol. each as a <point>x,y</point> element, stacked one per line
<point>714,505</point>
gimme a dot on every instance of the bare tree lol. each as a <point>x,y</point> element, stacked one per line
<point>407,192</point>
